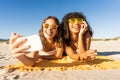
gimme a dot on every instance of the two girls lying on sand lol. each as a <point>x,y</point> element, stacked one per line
<point>72,36</point>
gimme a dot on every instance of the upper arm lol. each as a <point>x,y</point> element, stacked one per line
<point>87,40</point>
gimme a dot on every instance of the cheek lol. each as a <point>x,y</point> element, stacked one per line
<point>44,32</point>
<point>54,33</point>
<point>70,27</point>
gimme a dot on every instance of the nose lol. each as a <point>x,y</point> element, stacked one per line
<point>49,28</point>
<point>76,22</point>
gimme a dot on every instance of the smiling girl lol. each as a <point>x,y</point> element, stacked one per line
<point>77,37</point>
<point>50,34</point>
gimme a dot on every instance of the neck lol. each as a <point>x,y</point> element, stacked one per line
<point>74,37</point>
<point>50,41</point>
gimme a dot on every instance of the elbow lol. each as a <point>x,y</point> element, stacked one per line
<point>58,56</point>
<point>74,57</point>
<point>30,64</point>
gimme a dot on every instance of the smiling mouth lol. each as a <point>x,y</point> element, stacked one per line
<point>48,33</point>
<point>76,27</point>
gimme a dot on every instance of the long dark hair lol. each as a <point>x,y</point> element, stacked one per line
<point>65,26</point>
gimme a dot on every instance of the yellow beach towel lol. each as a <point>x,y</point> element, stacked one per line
<point>100,63</point>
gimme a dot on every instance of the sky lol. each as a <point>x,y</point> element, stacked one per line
<point>25,16</point>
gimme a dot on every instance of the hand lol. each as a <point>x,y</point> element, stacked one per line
<point>84,28</point>
<point>89,55</point>
<point>14,45</point>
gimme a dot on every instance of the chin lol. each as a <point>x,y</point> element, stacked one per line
<point>76,31</point>
<point>48,37</point>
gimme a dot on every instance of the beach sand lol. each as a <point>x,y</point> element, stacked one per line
<point>107,49</point>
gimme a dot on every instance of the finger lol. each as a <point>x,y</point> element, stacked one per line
<point>92,55</point>
<point>20,49</point>
<point>91,58</point>
<point>17,43</point>
<point>13,33</point>
<point>91,52</point>
<point>84,22</point>
<point>82,25</point>
<point>95,50</point>
<point>14,37</point>
<point>85,25</point>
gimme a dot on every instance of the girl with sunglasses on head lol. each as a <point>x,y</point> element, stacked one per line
<point>50,34</point>
<point>77,37</point>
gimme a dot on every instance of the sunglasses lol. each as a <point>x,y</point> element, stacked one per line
<point>73,20</point>
<point>53,26</point>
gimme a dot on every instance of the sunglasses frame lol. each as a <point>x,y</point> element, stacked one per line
<point>45,25</point>
<point>73,20</point>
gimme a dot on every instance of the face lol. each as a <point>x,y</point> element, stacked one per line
<point>75,24</point>
<point>50,28</point>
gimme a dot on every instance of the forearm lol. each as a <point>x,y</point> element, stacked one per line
<point>26,60</point>
<point>75,57</point>
<point>81,45</point>
<point>55,54</point>
<point>51,54</point>
<point>59,52</point>
<point>47,55</point>
<point>72,54</point>
<point>43,53</point>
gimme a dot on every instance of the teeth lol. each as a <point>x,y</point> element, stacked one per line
<point>49,33</point>
<point>76,27</point>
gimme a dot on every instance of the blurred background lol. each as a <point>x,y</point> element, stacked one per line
<point>25,16</point>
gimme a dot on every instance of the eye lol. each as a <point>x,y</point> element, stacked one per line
<point>72,20</point>
<point>54,26</point>
<point>80,19</point>
<point>45,25</point>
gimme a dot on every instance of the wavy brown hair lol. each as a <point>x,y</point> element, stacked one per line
<point>58,38</point>
<point>64,24</point>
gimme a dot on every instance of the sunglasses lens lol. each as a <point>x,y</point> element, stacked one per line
<point>51,26</point>
<point>72,20</point>
<point>79,20</point>
<point>45,25</point>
